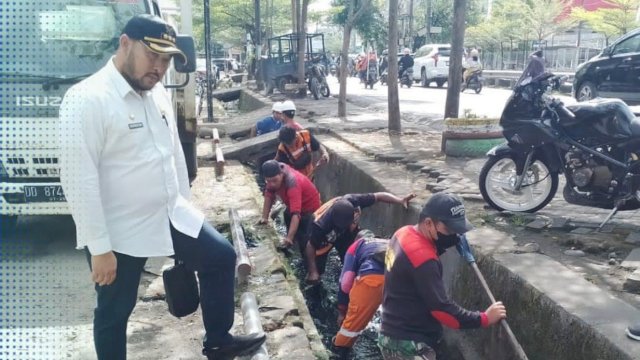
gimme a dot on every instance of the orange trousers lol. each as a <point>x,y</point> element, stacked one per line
<point>364,299</point>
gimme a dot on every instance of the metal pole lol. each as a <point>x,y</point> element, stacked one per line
<point>258,55</point>
<point>207,55</point>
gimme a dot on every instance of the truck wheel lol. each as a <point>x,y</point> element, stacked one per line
<point>440,83</point>
<point>282,81</point>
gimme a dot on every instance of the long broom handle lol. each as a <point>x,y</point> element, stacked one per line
<point>465,252</point>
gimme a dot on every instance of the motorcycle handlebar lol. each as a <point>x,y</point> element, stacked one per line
<point>566,112</point>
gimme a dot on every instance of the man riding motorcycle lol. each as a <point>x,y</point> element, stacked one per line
<point>405,62</point>
<point>471,65</point>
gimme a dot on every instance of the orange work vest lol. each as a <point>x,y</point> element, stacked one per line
<point>300,153</point>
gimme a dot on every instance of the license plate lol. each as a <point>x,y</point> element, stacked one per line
<point>44,193</point>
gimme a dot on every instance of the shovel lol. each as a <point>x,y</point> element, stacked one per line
<point>465,251</point>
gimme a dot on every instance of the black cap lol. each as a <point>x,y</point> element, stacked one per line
<point>342,213</point>
<point>448,209</point>
<point>155,33</point>
<point>271,168</point>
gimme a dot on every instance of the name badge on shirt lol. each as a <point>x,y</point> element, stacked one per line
<point>137,125</point>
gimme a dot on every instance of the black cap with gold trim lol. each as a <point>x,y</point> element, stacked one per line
<point>155,33</point>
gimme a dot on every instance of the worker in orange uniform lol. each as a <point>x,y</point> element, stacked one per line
<point>296,150</point>
<point>361,288</point>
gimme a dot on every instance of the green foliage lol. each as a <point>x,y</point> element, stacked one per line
<point>442,16</point>
<point>371,26</point>
<point>231,20</point>
<point>611,22</point>
<point>516,20</point>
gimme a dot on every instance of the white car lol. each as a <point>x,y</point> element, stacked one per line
<point>431,63</point>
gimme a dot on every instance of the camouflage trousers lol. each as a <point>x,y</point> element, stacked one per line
<point>394,349</point>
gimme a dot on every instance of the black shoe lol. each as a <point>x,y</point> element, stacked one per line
<point>241,345</point>
<point>633,332</point>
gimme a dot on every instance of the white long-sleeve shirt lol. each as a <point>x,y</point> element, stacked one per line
<point>123,170</point>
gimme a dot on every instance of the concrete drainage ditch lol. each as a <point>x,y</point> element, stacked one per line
<point>555,314</point>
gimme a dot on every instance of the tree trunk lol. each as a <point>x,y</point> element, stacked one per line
<point>455,61</point>
<point>427,39</point>
<point>411,34</point>
<point>392,76</point>
<point>294,15</point>
<point>352,17</point>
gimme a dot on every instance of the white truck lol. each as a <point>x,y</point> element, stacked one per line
<point>49,45</point>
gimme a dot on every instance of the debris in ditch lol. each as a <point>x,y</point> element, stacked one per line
<point>632,284</point>
<point>153,297</point>
<point>633,238</point>
<point>572,252</point>
<point>527,248</point>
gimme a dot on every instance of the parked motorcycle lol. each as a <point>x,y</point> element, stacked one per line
<point>596,144</point>
<point>474,82</point>
<point>317,81</point>
<point>407,77</point>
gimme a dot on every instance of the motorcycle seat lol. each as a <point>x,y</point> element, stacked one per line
<point>608,116</point>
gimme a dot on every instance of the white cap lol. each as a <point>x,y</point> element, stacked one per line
<point>407,51</point>
<point>288,105</point>
<point>277,106</point>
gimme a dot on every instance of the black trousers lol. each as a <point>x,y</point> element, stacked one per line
<point>211,255</point>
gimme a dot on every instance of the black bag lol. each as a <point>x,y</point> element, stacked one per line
<point>181,289</point>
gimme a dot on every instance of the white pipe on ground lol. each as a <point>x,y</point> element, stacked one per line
<point>252,324</point>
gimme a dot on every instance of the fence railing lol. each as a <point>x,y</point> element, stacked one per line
<point>556,59</point>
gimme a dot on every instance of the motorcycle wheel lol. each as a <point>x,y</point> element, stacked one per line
<point>498,177</point>
<point>478,88</point>
<point>314,86</point>
<point>324,89</point>
<point>409,84</point>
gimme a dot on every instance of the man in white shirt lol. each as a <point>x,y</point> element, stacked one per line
<point>125,178</point>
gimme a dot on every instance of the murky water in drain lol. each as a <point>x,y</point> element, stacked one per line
<point>322,303</point>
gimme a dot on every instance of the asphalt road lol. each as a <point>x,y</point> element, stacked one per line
<point>418,104</point>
